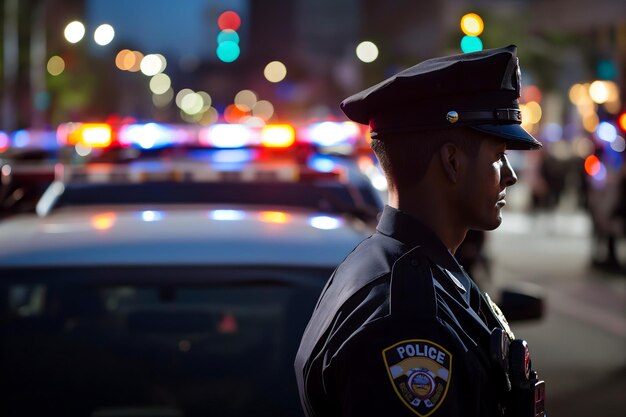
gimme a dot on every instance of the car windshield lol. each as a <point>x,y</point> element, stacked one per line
<point>126,341</point>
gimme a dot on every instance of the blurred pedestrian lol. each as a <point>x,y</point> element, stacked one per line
<point>400,328</point>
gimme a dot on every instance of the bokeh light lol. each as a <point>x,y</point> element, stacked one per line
<point>592,165</point>
<point>367,51</point>
<point>160,83</point>
<point>120,59</point>
<point>263,109</point>
<point>606,132</point>
<point>531,112</point>
<point>206,100</point>
<point>163,100</point>
<point>229,20</point>
<point>274,217</point>
<point>103,221</point>
<point>74,31</point>
<point>577,93</point>
<point>599,91</point>
<point>275,71</point>
<point>621,121</point>
<point>209,117</point>
<point>56,65</point>
<point>325,222</point>
<point>590,122</point>
<point>181,94</point>
<point>191,103</point>
<point>4,145</point>
<point>233,114</point>
<point>619,144</point>
<point>134,59</point>
<point>104,34</point>
<point>472,24</point>
<point>228,35</point>
<point>471,44</point>
<point>151,64</point>
<point>583,147</point>
<point>531,93</point>
<point>228,51</point>
<point>245,100</point>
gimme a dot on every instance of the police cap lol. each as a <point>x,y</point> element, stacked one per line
<point>479,90</point>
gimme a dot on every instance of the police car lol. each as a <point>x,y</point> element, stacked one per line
<point>171,310</point>
<point>172,280</point>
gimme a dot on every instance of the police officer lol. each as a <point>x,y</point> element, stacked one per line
<point>400,329</point>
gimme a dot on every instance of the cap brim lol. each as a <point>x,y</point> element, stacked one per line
<point>514,135</point>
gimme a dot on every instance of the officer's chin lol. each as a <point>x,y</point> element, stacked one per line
<point>489,225</point>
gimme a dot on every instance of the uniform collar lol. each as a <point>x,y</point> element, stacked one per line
<point>410,231</point>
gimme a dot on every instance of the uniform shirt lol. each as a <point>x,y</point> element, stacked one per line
<point>399,330</point>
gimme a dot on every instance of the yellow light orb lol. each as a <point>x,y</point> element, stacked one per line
<point>56,65</point>
<point>599,92</point>
<point>472,24</point>
<point>590,122</point>
<point>275,71</point>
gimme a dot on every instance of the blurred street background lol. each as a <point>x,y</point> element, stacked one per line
<point>201,62</point>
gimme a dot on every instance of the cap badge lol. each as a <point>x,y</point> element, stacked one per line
<point>452,116</point>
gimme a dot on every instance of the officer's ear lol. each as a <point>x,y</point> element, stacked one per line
<point>451,159</point>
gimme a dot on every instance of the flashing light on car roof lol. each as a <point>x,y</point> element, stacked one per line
<point>146,136</point>
<point>34,138</point>
<point>226,136</point>
<point>330,134</point>
<point>277,136</point>
<point>95,135</point>
<point>4,142</point>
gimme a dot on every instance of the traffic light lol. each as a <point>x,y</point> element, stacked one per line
<point>472,26</point>
<point>228,39</point>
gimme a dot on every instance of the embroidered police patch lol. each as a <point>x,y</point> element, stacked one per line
<point>420,372</point>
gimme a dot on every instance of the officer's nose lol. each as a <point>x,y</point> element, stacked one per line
<point>508,173</point>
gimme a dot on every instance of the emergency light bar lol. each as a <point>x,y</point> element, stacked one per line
<point>341,137</point>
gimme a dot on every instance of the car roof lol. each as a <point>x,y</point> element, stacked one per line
<point>178,235</point>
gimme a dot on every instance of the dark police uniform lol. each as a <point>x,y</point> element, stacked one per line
<point>400,329</point>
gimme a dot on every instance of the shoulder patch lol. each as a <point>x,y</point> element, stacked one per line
<point>420,372</point>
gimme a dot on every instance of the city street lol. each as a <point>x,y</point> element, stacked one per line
<point>579,347</point>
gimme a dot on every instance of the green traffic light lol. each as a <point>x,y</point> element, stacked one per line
<point>228,35</point>
<point>471,44</point>
<point>228,51</point>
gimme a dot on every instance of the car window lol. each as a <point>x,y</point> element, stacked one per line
<point>79,348</point>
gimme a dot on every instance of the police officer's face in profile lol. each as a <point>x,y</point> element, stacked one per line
<point>483,187</point>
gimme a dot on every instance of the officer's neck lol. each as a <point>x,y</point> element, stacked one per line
<point>439,216</point>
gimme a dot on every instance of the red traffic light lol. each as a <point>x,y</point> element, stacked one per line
<point>229,20</point>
